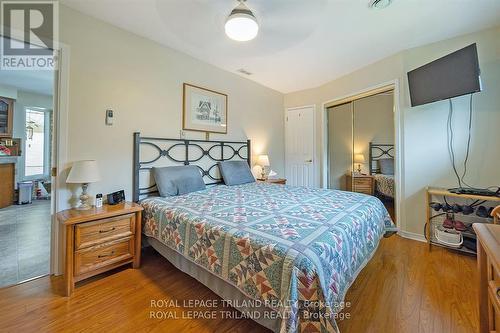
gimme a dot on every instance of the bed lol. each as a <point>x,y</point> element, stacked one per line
<point>284,256</point>
<point>384,181</point>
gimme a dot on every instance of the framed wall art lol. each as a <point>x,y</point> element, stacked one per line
<point>204,110</point>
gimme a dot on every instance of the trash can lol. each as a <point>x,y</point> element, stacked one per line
<point>25,192</point>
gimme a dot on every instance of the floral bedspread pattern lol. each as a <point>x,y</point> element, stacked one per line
<point>295,249</point>
<point>385,184</point>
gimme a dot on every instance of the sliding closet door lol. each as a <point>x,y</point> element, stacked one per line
<point>373,122</point>
<point>340,144</point>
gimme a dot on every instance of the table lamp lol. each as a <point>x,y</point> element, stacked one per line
<point>360,159</point>
<point>84,172</point>
<point>263,161</point>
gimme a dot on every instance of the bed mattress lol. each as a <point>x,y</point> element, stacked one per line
<point>295,249</point>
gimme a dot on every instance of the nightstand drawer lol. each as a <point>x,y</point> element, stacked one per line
<point>364,191</point>
<point>96,232</point>
<point>358,181</point>
<point>98,256</point>
<point>362,187</point>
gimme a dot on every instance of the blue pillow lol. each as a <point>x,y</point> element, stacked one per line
<point>178,180</point>
<point>236,172</point>
<point>386,166</point>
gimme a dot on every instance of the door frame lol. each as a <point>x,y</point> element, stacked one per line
<point>60,151</point>
<point>314,157</point>
<point>60,98</point>
<point>398,139</point>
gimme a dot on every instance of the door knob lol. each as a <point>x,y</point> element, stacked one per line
<point>309,161</point>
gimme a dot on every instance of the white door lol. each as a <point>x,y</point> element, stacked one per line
<point>299,166</point>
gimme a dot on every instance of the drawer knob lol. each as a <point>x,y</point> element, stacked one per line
<point>106,255</point>
<point>104,231</point>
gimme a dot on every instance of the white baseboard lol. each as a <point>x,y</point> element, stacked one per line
<point>412,235</point>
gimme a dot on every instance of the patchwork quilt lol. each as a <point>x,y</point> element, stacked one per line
<point>295,249</point>
<point>385,184</point>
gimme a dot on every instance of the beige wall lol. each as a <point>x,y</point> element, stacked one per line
<point>142,82</point>
<point>423,129</point>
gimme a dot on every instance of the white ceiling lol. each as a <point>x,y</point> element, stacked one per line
<point>301,43</point>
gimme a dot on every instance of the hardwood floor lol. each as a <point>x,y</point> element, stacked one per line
<point>407,288</point>
<point>404,288</point>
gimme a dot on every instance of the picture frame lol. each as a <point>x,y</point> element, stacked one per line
<point>203,110</point>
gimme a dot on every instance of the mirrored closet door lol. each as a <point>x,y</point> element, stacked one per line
<point>340,144</point>
<point>361,146</point>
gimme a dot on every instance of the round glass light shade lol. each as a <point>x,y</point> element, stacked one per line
<point>241,27</point>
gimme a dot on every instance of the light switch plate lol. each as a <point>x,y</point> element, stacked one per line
<point>109,117</point>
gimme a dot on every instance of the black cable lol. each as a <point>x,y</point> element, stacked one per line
<point>427,224</point>
<point>474,203</point>
<point>449,132</point>
<point>468,142</point>
<point>437,215</point>
<point>477,203</point>
<point>451,152</point>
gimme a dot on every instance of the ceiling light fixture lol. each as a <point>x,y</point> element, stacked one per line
<point>379,4</point>
<point>241,25</point>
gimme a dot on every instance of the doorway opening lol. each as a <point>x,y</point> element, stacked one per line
<point>26,161</point>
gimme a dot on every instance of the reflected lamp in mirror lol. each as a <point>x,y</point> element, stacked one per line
<point>84,172</point>
<point>263,161</point>
<point>359,159</point>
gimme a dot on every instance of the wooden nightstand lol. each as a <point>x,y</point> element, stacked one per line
<point>360,183</point>
<point>281,181</point>
<point>100,239</point>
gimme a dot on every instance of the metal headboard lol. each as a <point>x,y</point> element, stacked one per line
<point>201,153</point>
<point>379,151</point>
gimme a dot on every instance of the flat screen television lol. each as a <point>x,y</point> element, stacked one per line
<point>453,75</point>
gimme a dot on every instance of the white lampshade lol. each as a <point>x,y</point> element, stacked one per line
<point>263,160</point>
<point>241,24</point>
<point>359,158</point>
<point>83,172</point>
